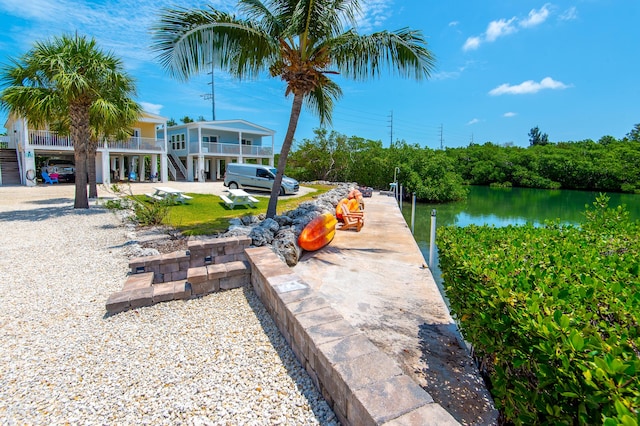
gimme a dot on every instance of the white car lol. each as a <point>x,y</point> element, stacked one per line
<point>65,169</point>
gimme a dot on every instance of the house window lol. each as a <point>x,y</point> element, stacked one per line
<point>182,140</point>
<point>173,142</point>
<point>247,142</point>
<point>212,139</point>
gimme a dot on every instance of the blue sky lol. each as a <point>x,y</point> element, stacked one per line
<point>503,67</point>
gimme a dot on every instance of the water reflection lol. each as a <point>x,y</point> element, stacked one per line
<point>504,207</point>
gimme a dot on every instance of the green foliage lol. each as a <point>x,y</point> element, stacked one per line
<point>116,204</point>
<point>587,165</point>
<point>634,134</point>
<point>538,138</point>
<point>552,313</point>
<point>430,175</point>
<point>609,165</point>
<point>146,212</point>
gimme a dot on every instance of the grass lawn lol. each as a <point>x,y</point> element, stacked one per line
<point>207,214</point>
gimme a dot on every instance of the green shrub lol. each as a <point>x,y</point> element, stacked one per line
<point>152,212</point>
<point>117,204</point>
<point>552,314</point>
<point>146,212</point>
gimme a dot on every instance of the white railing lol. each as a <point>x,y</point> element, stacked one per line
<point>52,139</point>
<point>234,149</point>
<point>137,144</point>
<point>179,163</point>
<point>256,150</point>
<point>172,170</point>
<point>6,142</point>
<point>47,138</point>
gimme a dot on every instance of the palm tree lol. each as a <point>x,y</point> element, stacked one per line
<point>61,80</point>
<point>300,41</point>
<point>109,117</point>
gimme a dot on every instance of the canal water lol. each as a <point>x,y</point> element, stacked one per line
<point>503,207</point>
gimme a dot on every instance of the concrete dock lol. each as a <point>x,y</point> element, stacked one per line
<point>378,281</point>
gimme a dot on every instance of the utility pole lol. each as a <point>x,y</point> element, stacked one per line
<point>211,95</point>
<point>391,126</point>
<point>441,138</point>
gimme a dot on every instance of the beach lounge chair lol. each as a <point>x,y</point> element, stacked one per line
<point>48,179</point>
<point>352,219</point>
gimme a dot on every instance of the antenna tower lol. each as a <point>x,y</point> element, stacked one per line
<point>211,95</point>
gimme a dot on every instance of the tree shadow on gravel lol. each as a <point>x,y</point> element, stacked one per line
<point>52,201</point>
<point>286,353</point>
<point>37,215</point>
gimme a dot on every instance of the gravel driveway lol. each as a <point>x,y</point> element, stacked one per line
<point>214,360</point>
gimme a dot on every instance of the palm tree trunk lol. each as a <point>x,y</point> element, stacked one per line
<point>284,153</point>
<point>91,168</point>
<point>79,114</point>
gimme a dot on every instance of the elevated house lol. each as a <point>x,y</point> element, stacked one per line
<point>199,151</point>
<point>141,157</point>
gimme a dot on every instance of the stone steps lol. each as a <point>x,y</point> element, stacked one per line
<point>208,266</point>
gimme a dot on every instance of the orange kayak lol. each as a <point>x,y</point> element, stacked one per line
<point>318,233</point>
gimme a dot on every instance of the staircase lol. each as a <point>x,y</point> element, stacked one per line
<point>176,168</point>
<point>10,173</point>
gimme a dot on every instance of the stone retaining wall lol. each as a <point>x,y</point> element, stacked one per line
<point>207,266</point>
<point>362,385</point>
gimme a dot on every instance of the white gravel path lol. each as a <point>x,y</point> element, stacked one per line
<point>215,360</point>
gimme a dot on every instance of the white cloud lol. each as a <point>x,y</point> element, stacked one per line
<point>499,28</point>
<point>528,87</point>
<point>472,43</point>
<point>110,23</point>
<point>152,108</point>
<point>373,14</point>
<point>453,23</point>
<point>536,17</point>
<point>473,121</point>
<point>509,114</point>
<point>569,14</point>
<point>503,27</point>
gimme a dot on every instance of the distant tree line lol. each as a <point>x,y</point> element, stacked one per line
<point>610,164</point>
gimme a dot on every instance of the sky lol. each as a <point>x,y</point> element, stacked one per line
<point>502,67</point>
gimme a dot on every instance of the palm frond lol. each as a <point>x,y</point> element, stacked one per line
<point>187,41</point>
<point>403,52</point>
<point>321,100</point>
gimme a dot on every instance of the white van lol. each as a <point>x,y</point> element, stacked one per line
<point>257,176</point>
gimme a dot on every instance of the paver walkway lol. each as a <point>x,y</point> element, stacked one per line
<point>378,281</point>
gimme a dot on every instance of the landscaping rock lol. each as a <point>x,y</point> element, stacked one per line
<point>281,232</point>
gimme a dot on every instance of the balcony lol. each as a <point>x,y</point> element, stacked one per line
<point>49,139</point>
<point>233,149</point>
<point>44,138</point>
<point>136,144</point>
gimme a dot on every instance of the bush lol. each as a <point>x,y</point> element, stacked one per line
<point>146,212</point>
<point>552,314</point>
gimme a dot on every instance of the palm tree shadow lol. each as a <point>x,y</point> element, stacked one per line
<point>38,215</point>
<point>49,201</point>
<point>287,356</point>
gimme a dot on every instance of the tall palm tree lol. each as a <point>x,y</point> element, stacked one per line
<point>300,41</point>
<point>60,80</point>
<point>111,116</point>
